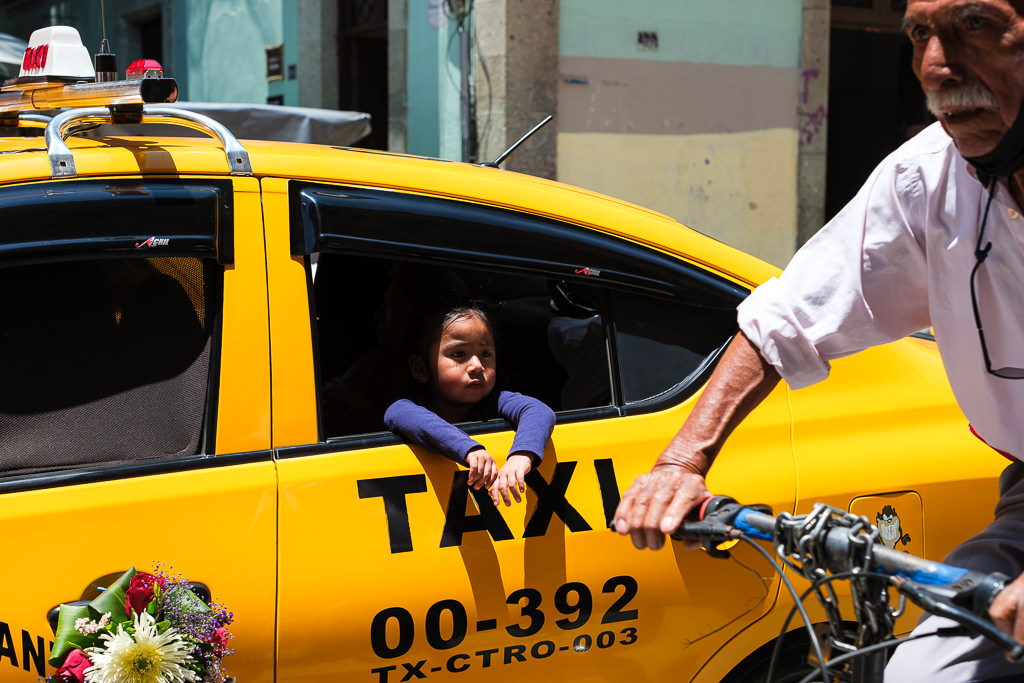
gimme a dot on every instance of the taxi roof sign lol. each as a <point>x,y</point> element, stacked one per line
<point>57,52</point>
<point>57,72</point>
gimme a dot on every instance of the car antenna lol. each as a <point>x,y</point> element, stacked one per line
<point>504,155</point>
<point>104,61</point>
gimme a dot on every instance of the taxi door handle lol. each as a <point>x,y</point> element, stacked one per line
<point>200,589</point>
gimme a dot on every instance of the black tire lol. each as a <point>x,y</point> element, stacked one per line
<point>791,666</point>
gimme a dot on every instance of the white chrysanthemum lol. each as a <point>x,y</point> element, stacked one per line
<point>149,657</point>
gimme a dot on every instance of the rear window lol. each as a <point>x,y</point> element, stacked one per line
<point>108,320</point>
<point>103,361</point>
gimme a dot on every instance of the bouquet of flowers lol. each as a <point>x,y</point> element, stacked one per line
<point>145,628</point>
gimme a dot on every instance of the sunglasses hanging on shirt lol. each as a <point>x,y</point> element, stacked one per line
<point>981,253</point>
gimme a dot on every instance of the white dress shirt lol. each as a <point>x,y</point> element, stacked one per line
<point>897,259</point>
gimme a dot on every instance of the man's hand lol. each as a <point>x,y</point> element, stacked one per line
<point>482,469</point>
<point>511,477</point>
<point>657,502</point>
<point>1007,610</point>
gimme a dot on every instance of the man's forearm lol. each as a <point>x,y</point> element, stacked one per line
<point>740,382</point>
<point>657,501</point>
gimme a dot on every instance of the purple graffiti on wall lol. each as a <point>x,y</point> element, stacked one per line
<point>816,119</point>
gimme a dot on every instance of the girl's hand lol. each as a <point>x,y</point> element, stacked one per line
<point>511,477</point>
<point>482,468</point>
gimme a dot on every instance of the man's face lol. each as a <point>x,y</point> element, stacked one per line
<point>969,57</point>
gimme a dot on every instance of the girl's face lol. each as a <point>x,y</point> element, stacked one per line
<point>463,364</point>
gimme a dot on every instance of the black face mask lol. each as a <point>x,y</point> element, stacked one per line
<point>1006,158</point>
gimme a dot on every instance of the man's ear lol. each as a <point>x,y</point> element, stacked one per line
<point>418,369</point>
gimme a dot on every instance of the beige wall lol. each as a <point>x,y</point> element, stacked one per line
<point>739,188</point>
<point>703,122</point>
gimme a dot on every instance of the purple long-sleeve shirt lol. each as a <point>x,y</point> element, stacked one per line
<point>534,421</point>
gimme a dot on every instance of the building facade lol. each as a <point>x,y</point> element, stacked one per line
<point>751,120</point>
<point>728,115</point>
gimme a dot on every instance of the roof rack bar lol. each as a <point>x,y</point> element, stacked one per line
<point>62,162</point>
<point>237,156</point>
<point>34,118</point>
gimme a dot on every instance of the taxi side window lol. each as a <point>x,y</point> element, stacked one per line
<point>108,324</point>
<point>549,347</point>
<point>102,362</point>
<point>594,325</point>
<point>663,345</point>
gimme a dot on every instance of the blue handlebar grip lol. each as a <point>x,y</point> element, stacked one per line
<point>741,523</point>
<point>934,574</point>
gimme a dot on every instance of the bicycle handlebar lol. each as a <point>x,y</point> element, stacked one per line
<point>832,540</point>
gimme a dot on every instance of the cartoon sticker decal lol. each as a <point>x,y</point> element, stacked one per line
<point>890,530</point>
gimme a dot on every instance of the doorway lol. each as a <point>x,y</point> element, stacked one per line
<point>363,65</point>
<point>875,101</point>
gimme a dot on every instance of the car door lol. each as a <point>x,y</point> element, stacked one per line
<point>135,416</point>
<point>391,568</point>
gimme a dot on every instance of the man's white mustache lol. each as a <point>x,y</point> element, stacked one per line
<point>962,96</point>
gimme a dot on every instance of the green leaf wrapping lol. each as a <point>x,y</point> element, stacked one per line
<point>67,638</point>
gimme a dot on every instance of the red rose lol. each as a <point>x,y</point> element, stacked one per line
<point>73,670</point>
<point>141,590</point>
<point>219,640</point>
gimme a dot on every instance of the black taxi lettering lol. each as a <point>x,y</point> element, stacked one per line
<point>609,489</point>
<point>551,501</point>
<point>394,490</point>
<point>446,626</point>
<point>33,650</point>
<point>414,670</point>
<point>457,522</point>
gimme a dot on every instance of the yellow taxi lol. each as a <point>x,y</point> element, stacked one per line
<point>198,337</point>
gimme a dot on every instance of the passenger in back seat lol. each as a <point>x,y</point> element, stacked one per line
<point>355,401</point>
<point>453,360</point>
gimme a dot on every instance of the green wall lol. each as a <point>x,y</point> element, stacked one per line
<point>734,32</point>
<point>226,48</point>
<point>433,84</point>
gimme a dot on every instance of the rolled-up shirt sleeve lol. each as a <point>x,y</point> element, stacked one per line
<point>859,282</point>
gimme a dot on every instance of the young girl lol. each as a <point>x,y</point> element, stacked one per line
<point>453,359</point>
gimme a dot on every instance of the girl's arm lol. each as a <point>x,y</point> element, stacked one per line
<point>534,423</point>
<point>423,427</point>
<point>533,419</point>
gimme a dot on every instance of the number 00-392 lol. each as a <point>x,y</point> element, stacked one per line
<point>573,602</point>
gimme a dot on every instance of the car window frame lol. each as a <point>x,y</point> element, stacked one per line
<point>401,233</point>
<point>87,233</point>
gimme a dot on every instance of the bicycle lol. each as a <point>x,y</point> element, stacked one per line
<point>829,545</point>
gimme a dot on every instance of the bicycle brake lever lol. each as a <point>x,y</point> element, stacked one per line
<point>712,534</point>
<point>710,521</point>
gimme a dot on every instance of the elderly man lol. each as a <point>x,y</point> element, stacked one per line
<point>935,237</point>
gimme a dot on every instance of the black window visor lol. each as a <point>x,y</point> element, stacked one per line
<point>385,223</point>
<point>168,217</point>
